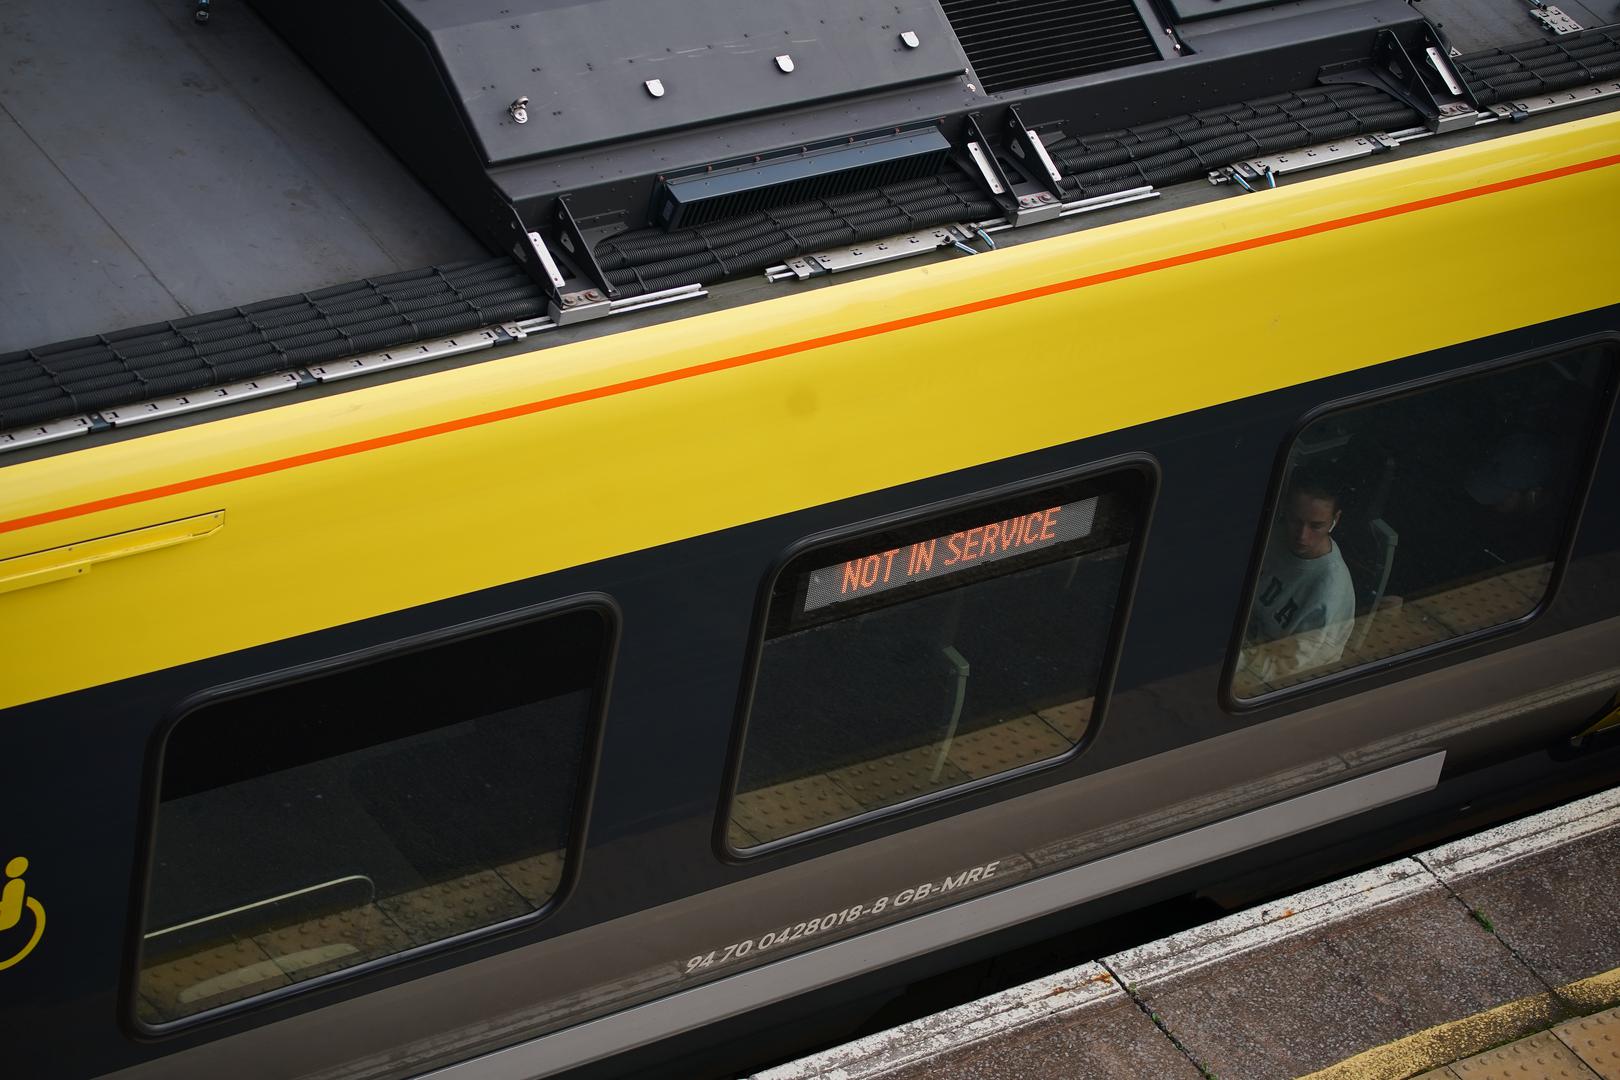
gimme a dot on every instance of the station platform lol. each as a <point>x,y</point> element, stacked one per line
<point>1497,955</point>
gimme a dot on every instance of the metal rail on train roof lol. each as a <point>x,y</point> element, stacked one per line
<point>334,371</point>
<point>960,235</point>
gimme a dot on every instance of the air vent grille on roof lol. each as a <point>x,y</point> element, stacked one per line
<point>818,173</point>
<point>1018,43</point>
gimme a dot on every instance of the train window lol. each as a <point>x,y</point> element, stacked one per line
<point>335,817</point>
<point>932,656</point>
<point>1421,518</point>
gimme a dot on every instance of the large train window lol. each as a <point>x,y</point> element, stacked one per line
<point>330,818</point>
<point>933,655</point>
<point>1417,519</point>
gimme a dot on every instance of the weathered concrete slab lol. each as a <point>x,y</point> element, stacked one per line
<point>1292,988</point>
<point>1077,1024</point>
<point>1546,886</point>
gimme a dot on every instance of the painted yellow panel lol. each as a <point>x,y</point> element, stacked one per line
<point>348,506</point>
<point>76,560</point>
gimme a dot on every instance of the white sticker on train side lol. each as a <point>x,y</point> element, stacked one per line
<point>808,928</point>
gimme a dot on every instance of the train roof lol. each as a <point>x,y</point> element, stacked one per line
<point>415,182</point>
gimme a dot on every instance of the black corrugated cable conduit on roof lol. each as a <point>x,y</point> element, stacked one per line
<point>1189,147</point>
<point>647,260</point>
<point>40,385</point>
<point>1165,152</point>
<point>1543,66</point>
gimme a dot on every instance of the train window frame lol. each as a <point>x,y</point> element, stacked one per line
<point>1149,477</point>
<point>1591,454</point>
<point>351,978</point>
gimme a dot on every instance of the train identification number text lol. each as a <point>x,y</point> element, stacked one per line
<point>808,928</point>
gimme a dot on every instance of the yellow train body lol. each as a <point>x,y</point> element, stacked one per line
<point>342,507</point>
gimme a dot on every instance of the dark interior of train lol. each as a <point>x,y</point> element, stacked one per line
<point>1456,501</point>
<point>443,805</point>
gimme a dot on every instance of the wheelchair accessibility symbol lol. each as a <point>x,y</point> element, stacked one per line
<point>14,900</point>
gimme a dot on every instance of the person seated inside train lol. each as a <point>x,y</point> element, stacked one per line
<point>1304,601</point>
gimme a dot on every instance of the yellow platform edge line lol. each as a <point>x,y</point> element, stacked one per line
<point>1448,1043</point>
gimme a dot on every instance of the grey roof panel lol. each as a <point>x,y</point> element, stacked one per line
<point>144,189</point>
<point>584,67</point>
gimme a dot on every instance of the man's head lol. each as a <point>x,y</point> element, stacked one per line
<point>1309,512</point>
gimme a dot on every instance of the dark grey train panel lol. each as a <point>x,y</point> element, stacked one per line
<point>799,974</point>
<point>584,68</point>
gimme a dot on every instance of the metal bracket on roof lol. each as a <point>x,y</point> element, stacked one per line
<point>537,244</point>
<point>1555,19</point>
<point>1253,173</point>
<point>1103,202</point>
<point>1431,86</point>
<point>572,239</point>
<point>587,304</point>
<point>1025,144</point>
<point>1037,207</point>
<point>530,249</point>
<point>988,169</point>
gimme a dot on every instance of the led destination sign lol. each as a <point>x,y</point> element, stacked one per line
<point>926,560</point>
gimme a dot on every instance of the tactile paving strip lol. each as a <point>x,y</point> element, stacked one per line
<point>770,813</point>
<point>1398,627</point>
<point>536,878</point>
<point>1541,1057</point>
<point>1069,719</point>
<point>206,978</point>
<point>1482,604</point>
<point>1007,745</point>
<point>435,912</point>
<point>1596,1041</point>
<point>1393,629</point>
<point>1390,631</point>
<point>895,778</point>
<point>316,946</point>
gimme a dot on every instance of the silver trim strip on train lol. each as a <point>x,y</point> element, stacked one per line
<point>666,1017</point>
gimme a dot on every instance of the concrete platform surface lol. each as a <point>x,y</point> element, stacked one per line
<point>1424,966</point>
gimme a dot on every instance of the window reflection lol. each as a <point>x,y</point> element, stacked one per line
<point>321,823</point>
<point>1409,521</point>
